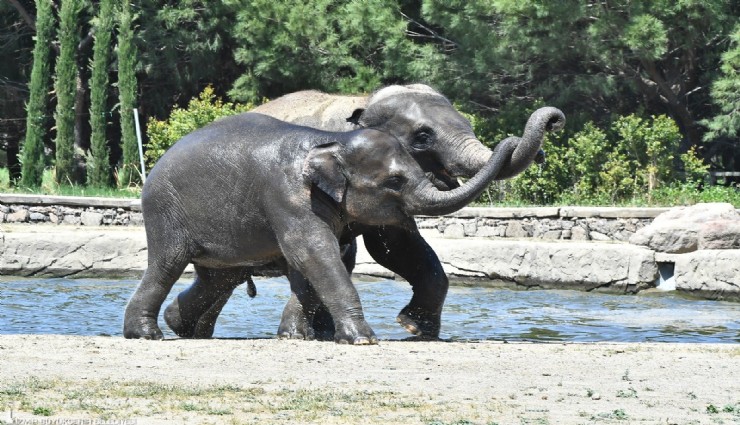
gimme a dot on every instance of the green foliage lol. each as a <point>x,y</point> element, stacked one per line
<point>129,172</point>
<point>196,49</point>
<point>32,156</point>
<point>696,171</point>
<point>199,113</point>
<point>66,88</point>
<point>630,162</point>
<point>98,166</point>
<point>336,46</point>
<point>725,93</point>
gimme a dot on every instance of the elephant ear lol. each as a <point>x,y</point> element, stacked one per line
<point>323,167</point>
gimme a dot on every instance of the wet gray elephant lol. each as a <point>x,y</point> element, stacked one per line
<point>250,191</point>
<point>443,143</point>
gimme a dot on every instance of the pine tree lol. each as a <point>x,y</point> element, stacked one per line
<point>66,87</point>
<point>726,94</point>
<point>129,172</point>
<point>33,149</point>
<point>98,166</point>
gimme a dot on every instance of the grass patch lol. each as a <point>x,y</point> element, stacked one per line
<point>106,399</point>
<point>51,187</point>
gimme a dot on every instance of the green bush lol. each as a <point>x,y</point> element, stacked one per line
<point>199,113</point>
<point>631,162</point>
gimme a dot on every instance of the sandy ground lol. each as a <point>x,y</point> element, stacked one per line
<point>114,380</point>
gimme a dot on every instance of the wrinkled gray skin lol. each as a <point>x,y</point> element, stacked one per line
<point>287,197</point>
<point>443,142</point>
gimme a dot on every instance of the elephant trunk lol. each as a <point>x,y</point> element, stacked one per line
<point>426,199</point>
<point>473,157</point>
<point>541,121</point>
<point>510,157</point>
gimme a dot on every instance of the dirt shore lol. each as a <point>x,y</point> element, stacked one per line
<point>113,380</point>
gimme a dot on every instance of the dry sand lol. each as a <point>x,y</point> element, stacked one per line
<point>276,381</point>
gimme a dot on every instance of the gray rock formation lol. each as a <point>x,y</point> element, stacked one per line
<point>570,265</point>
<point>681,229</point>
<point>711,274</point>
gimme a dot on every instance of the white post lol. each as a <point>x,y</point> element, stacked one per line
<point>141,146</point>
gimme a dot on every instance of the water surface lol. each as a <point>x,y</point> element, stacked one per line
<point>95,307</point>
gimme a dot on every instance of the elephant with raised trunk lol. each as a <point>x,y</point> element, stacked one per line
<point>443,143</point>
<point>250,191</point>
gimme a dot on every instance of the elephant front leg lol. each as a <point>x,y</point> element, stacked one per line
<point>406,253</point>
<point>317,259</point>
<point>295,324</point>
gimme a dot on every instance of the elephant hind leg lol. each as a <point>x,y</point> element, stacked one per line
<point>142,311</point>
<point>194,311</point>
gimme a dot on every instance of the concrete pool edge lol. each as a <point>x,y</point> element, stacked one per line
<point>120,252</point>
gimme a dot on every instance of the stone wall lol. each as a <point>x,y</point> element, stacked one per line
<point>544,223</point>
<point>36,209</point>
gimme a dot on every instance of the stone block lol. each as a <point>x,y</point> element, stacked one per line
<point>713,274</point>
<point>455,230</point>
<point>90,218</point>
<point>19,216</point>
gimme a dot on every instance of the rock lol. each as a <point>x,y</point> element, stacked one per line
<point>37,217</point>
<point>515,230</point>
<point>710,274</point>
<point>71,219</point>
<point>89,218</point>
<point>20,216</point>
<point>455,230</point>
<point>578,233</point>
<point>470,228</point>
<point>552,235</point>
<point>677,230</point>
<point>583,265</point>
<point>720,234</point>
<point>599,237</point>
<point>60,252</point>
<point>488,232</point>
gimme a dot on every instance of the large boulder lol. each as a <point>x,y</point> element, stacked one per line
<point>686,229</point>
<point>709,274</point>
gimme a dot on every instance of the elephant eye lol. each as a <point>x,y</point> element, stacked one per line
<point>422,139</point>
<point>395,183</point>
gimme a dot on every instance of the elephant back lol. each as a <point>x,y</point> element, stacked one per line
<point>314,109</point>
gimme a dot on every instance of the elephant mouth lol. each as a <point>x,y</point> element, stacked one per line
<point>442,180</point>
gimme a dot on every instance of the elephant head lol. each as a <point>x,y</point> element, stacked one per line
<point>440,139</point>
<point>377,182</point>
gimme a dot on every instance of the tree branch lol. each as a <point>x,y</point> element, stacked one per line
<point>27,18</point>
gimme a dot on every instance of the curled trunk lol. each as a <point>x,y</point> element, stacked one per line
<point>510,157</point>
<point>540,122</point>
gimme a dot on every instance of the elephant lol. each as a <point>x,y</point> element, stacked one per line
<point>250,191</point>
<point>443,143</point>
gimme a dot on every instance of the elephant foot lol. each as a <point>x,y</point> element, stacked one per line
<point>419,322</point>
<point>181,327</point>
<point>141,327</point>
<point>355,332</point>
<point>295,331</point>
<point>294,324</point>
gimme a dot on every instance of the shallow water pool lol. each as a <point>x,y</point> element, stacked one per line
<point>95,307</point>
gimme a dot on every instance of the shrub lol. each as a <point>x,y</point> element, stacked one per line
<point>199,113</point>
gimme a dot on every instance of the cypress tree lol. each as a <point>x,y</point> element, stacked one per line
<point>129,172</point>
<point>32,156</point>
<point>98,166</point>
<point>66,87</point>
